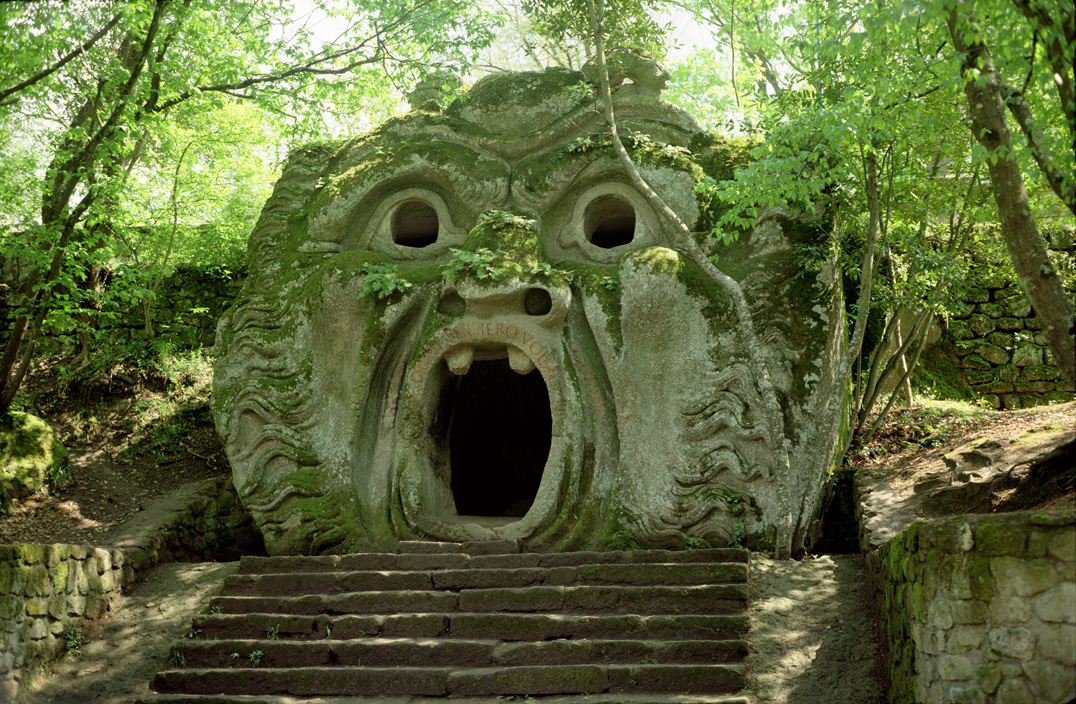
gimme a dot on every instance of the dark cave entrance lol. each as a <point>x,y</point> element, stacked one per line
<point>498,440</point>
<point>840,530</point>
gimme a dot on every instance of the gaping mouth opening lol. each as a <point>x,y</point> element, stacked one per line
<point>493,429</point>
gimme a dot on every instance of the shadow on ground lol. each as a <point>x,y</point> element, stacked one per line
<point>813,637</point>
<point>116,665</point>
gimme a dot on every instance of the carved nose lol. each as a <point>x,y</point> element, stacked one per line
<point>534,300</point>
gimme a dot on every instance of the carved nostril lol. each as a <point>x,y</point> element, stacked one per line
<point>537,301</point>
<point>452,304</point>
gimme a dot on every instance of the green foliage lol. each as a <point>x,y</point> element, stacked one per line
<point>625,23</point>
<point>500,219</point>
<point>483,263</point>
<point>177,659</point>
<point>134,151</point>
<point>73,642</point>
<point>737,537</point>
<point>383,281</point>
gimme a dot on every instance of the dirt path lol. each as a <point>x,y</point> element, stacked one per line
<point>116,665</point>
<point>813,638</point>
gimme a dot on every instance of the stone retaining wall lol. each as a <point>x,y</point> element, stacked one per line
<point>49,590</point>
<point>185,311</point>
<point>980,609</point>
<point>189,302</point>
<point>997,337</point>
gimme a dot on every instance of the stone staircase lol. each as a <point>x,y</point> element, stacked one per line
<point>477,622</point>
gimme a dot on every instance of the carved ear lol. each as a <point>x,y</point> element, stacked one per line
<point>629,64</point>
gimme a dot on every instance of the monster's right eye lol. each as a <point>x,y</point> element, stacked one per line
<point>415,224</point>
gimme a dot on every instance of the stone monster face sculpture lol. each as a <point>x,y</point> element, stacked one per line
<point>470,325</point>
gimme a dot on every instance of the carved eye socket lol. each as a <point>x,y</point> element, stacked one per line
<point>609,221</point>
<point>414,224</point>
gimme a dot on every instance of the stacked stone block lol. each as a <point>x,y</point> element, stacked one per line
<point>47,591</point>
<point>186,309</point>
<point>998,338</point>
<point>981,609</point>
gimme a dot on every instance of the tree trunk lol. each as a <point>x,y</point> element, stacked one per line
<point>1034,271</point>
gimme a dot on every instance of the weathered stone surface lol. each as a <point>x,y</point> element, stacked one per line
<point>1014,642</point>
<point>1009,610</point>
<point>982,325</point>
<point>1013,576</point>
<point>1058,604</point>
<point>962,639</point>
<point>1014,692</point>
<point>955,667</point>
<point>1058,643</point>
<point>1052,682</point>
<point>469,325</point>
<point>1026,355</point>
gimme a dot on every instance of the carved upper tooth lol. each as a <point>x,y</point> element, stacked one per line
<point>519,361</point>
<point>459,360</point>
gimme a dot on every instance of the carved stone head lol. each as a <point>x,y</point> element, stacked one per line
<point>470,324</point>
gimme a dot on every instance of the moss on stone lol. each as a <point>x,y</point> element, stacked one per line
<point>997,538</point>
<point>603,285</point>
<point>30,456</point>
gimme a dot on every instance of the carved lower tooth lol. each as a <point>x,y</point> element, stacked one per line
<point>519,361</point>
<point>459,360</point>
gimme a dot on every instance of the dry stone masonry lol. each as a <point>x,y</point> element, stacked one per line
<point>1002,351</point>
<point>981,608</point>
<point>468,324</point>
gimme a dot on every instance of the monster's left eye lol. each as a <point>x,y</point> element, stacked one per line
<point>609,221</point>
<point>415,224</point>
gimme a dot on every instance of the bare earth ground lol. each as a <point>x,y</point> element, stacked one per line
<point>813,638</point>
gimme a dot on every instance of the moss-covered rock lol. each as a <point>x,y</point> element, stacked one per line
<point>31,456</point>
<point>503,233</point>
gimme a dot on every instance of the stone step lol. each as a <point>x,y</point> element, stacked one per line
<point>428,558</point>
<point>456,682</point>
<point>298,584</point>
<point>699,599</point>
<point>452,652</point>
<point>406,699</point>
<point>497,626</point>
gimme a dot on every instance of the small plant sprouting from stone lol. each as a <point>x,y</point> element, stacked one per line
<point>382,281</point>
<point>500,219</point>
<point>482,263</point>
<point>177,659</point>
<point>547,271</point>
<point>328,632</point>
<point>273,633</point>
<point>609,283</point>
<point>256,658</point>
<point>650,660</point>
<point>738,533</point>
<point>73,640</point>
<point>216,609</point>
